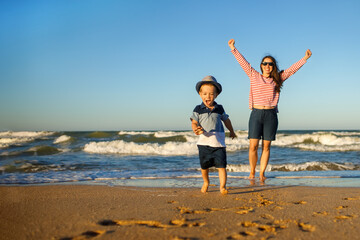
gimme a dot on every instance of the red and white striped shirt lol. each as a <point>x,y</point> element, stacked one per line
<point>262,89</point>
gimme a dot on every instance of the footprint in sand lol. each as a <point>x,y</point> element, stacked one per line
<point>281,224</point>
<point>306,227</point>
<point>265,202</point>
<point>343,217</point>
<point>185,210</point>
<point>241,235</point>
<point>267,228</point>
<point>86,235</point>
<point>341,207</point>
<point>245,210</point>
<point>351,198</point>
<point>182,238</point>
<point>324,213</point>
<point>248,224</point>
<point>267,216</point>
<point>155,224</point>
<point>185,223</point>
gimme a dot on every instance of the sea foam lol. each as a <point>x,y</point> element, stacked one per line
<point>62,139</point>
<point>292,167</point>
<point>122,147</point>
<point>10,138</point>
<point>320,141</point>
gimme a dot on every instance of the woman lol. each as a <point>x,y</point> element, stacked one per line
<point>263,101</point>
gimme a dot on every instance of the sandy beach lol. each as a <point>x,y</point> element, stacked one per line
<point>103,212</point>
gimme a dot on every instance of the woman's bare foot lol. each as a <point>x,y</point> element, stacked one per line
<point>252,176</point>
<point>252,182</point>
<point>204,188</point>
<point>224,191</point>
<point>262,178</point>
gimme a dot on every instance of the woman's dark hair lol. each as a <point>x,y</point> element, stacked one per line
<point>275,73</point>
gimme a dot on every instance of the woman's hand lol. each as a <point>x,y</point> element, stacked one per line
<point>232,44</point>
<point>308,54</point>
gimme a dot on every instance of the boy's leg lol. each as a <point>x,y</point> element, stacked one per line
<point>253,156</point>
<point>265,155</point>
<point>223,178</point>
<point>205,176</point>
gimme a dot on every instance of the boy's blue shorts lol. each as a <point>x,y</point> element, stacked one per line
<point>263,124</point>
<point>212,157</point>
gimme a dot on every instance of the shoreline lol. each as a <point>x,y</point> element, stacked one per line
<point>118,212</point>
<point>196,181</point>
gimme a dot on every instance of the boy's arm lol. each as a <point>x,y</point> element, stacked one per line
<point>196,128</point>
<point>229,126</point>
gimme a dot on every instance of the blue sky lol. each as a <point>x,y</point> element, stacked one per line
<point>133,65</point>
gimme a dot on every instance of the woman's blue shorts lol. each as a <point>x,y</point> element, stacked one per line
<point>263,124</point>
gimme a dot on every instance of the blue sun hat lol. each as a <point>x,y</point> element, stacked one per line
<point>211,80</point>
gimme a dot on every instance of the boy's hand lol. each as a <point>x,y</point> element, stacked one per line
<point>232,135</point>
<point>199,130</point>
<point>231,44</point>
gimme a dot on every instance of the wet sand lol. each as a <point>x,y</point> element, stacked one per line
<point>102,212</point>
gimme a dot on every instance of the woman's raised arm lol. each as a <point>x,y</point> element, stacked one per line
<point>240,58</point>
<point>231,43</point>
<point>308,54</point>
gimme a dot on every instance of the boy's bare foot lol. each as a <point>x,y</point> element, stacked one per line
<point>224,191</point>
<point>204,188</point>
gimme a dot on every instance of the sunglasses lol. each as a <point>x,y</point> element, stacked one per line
<point>266,63</point>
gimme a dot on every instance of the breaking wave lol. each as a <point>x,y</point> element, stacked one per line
<point>122,147</point>
<point>10,138</point>
<point>63,139</point>
<point>292,167</point>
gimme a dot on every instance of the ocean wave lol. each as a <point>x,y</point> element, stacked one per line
<point>320,141</point>
<point>25,134</point>
<point>322,148</point>
<point>129,148</point>
<point>342,133</point>
<point>289,167</point>
<point>43,150</point>
<point>30,167</point>
<point>166,134</point>
<point>10,138</point>
<point>135,133</point>
<point>6,142</point>
<point>98,134</point>
<point>33,151</point>
<point>172,148</point>
<point>63,139</point>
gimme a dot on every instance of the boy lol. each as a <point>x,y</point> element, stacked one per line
<point>206,122</point>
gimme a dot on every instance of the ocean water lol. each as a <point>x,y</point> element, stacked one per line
<point>170,158</point>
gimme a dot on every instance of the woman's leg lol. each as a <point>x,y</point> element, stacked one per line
<point>253,156</point>
<point>265,156</point>
<point>270,129</point>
